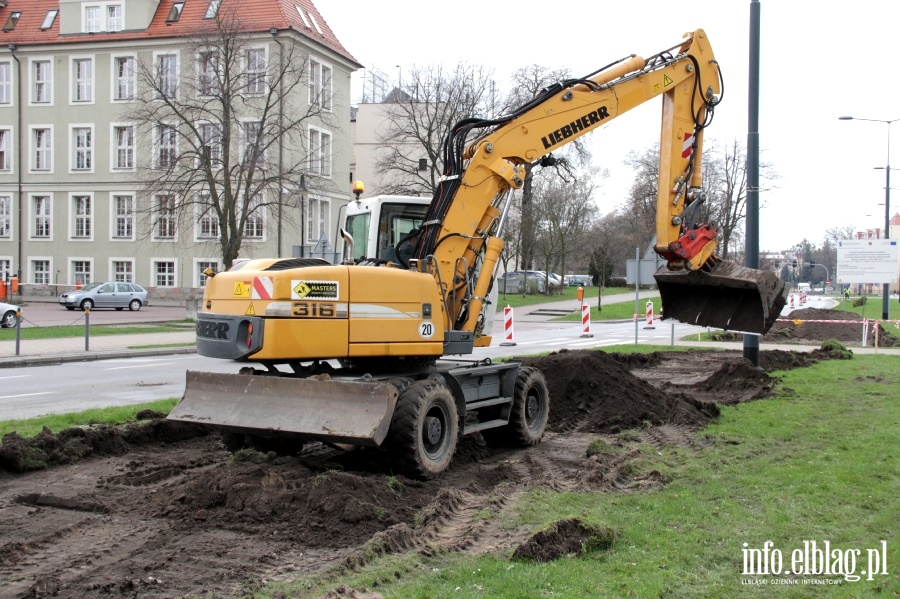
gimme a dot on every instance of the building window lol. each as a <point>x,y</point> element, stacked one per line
<point>165,146</point>
<point>175,13</point>
<point>255,71</point>
<point>5,141</point>
<point>81,270</point>
<point>165,217</point>
<point>5,83</point>
<point>208,223</point>
<point>48,19</point>
<point>208,71</point>
<point>6,269</point>
<point>320,153</point>
<point>213,9</point>
<point>83,80</point>
<point>320,91</point>
<point>123,212</point>
<point>40,272</point>
<point>254,144</point>
<point>12,20</point>
<point>123,138</point>
<point>164,273</point>
<point>123,271</point>
<point>166,75</point>
<point>42,214</point>
<point>211,137</point>
<point>202,265</point>
<point>124,78</point>
<point>5,217</point>
<point>255,225</point>
<point>84,149</point>
<point>114,17</point>
<point>92,19</point>
<point>42,81</point>
<point>81,213</point>
<point>318,218</point>
<point>423,164</point>
<point>42,149</point>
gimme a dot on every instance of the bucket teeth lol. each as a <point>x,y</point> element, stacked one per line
<point>727,296</point>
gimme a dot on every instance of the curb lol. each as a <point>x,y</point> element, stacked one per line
<point>50,359</point>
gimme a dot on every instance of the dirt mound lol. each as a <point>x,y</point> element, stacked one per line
<point>324,508</point>
<point>566,537</point>
<point>590,391</point>
<point>18,454</point>
<point>817,325</point>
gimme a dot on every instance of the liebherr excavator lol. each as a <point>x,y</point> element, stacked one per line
<point>387,316</point>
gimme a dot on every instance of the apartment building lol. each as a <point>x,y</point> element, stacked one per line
<point>95,185</point>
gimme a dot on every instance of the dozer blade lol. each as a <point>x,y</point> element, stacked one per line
<point>729,297</point>
<point>350,412</point>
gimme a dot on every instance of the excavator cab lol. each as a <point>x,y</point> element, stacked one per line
<point>723,295</point>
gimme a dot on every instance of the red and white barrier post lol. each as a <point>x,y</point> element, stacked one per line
<point>508,326</point>
<point>792,300</point>
<point>585,320</point>
<point>649,316</point>
<point>585,315</point>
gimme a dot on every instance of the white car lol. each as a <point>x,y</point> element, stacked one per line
<point>9,315</point>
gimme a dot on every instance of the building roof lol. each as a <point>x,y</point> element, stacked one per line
<point>895,220</point>
<point>256,15</point>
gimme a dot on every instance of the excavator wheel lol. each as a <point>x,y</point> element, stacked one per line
<point>424,429</point>
<point>529,414</point>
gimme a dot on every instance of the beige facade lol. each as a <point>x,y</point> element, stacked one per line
<point>74,169</point>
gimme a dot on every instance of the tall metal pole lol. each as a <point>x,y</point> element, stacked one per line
<point>886,300</point>
<point>751,255</point>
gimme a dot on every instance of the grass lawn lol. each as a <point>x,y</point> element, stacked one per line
<point>816,463</point>
<point>96,330</point>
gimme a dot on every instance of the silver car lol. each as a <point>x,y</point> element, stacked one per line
<point>111,294</point>
<point>8,315</point>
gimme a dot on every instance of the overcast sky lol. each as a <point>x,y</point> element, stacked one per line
<point>819,61</point>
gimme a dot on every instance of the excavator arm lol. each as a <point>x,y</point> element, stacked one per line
<point>460,239</point>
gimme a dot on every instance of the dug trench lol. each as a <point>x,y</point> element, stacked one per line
<point>159,509</point>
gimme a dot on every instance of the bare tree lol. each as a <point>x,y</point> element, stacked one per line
<point>725,184</point>
<point>419,115</point>
<point>565,210</point>
<point>229,133</point>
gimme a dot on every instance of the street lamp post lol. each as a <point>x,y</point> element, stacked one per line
<point>885,308</point>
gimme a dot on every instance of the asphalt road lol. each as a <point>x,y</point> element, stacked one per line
<point>49,313</point>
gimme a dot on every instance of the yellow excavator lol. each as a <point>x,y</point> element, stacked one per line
<point>367,352</point>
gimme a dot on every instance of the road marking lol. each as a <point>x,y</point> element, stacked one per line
<point>27,395</point>
<point>141,366</point>
<point>17,376</point>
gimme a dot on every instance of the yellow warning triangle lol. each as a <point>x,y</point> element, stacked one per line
<point>667,81</point>
<point>250,311</point>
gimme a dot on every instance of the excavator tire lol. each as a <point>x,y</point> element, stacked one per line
<point>424,429</point>
<point>529,414</point>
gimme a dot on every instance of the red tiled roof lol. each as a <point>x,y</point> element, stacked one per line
<point>255,15</point>
<point>895,220</point>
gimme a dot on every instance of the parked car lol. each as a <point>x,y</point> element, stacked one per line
<point>8,315</point>
<point>108,294</point>
<point>580,280</point>
<point>514,282</point>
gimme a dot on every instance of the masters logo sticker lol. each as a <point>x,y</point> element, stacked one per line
<point>314,290</point>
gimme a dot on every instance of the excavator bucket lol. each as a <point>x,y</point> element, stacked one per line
<point>333,411</point>
<point>728,296</point>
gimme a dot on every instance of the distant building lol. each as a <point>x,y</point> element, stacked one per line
<point>71,206</point>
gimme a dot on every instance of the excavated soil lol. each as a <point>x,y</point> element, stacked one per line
<point>157,509</point>
<point>814,325</point>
